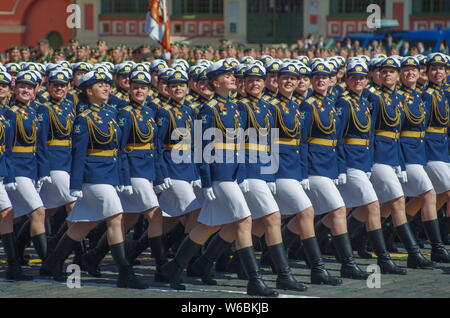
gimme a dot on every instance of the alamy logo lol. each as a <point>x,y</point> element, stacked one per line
<point>374,279</point>
<point>74,19</point>
<point>74,277</point>
<point>374,20</point>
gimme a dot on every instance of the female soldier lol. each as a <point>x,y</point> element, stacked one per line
<point>303,91</point>
<point>436,139</point>
<point>326,169</point>
<point>139,142</point>
<point>388,168</point>
<point>14,270</point>
<point>175,123</point>
<point>358,192</point>
<point>292,175</point>
<point>419,185</point>
<point>97,171</point>
<point>228,207</point>
<point>78,69</point>
<point>26,170</point>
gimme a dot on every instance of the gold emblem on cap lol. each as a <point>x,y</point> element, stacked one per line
<point>303,71</point>
<point>321,68</point>
<point>177,75</point>
<point>2,77</point>
<point>27,76</point>
<point>60,76</point>
<point>141,76</point>
<point>358,69</point>
<point>255,70</point>
<point>390,62</point>
<point>127,69</point>
<point>291,68</point>
<point>275,66</point>
<point>438,58</point>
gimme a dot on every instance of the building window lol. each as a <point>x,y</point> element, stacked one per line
<point>123,6</point>
<point>197,7</point>
<point>431,6</point>
<point>354,6</point>
<point>281,6</point>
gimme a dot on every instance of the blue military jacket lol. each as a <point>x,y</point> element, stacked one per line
<point>357,129</point>
<point>175,138</point>
<point>436,138</point>
<point>5,132</point>
<point>413,145</point>
<point>56,122</point>
<point>25,140</point>
<point>388,124</point>
<point>257,118</point>
<point>293,125</point>
<point>140,140</point>
<point>222,113</point>
<point>97,157</point>
<point>324,139</point>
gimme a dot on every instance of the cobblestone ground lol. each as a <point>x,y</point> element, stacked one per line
<point>418,283</point>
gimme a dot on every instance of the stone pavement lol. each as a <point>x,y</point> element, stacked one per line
<point>418,283</point>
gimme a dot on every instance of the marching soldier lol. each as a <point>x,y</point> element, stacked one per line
<point>326,168</point>
<point>225,204</point>
<point>5,90</point>
<point>271,89</point>
<point>358,192</point>
<point>97,174</point>
<point>419,186</point>
<point>388,172</point>
<point>24,161</point>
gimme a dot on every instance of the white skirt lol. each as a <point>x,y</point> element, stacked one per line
<point>179,199</point>
<point>358,190</point>
<point>259,199</point>
<point>142,199</point>
<point>386,183</point>
<point>291,197</point>
<point>324,195</point>
<point>99,202</point>
<point>228,207</point>
<point>25,199</point>
<point>439,173</point>
<point>418,181</point>
<point>57,193</point>
<point>4,199</point>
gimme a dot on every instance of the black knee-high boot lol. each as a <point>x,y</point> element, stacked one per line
<point>40,245</point>
<point>389,234</point>
<point>324,239</point>
<point>349,268</point>
<point>127,278</point>
<point>256,285</point>
<point>203,265</point>
<point>141,245</point>
<point>415,223</point>
<point>159,254</point>
<point>174,237</point>
<point>58,219</point>
<point>285,279</point>
<point>54,263</point>
<point>358,235</point>
<point>51,244</point>
<point>438,251</point>
<point>444,226</point>
<point>91,259</point>
<point>384,260</point>
<point>14,270</point>
<point>23,240</point>
<point>96,234</point>
<point>175,267</point>
<point>319,275</point>
<point>415,257</point>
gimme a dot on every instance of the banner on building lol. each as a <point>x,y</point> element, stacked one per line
<point>157,23</point>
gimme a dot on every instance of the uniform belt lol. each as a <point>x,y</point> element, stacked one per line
<point>388,134</point>
<point>437,130</point>
<point>148,146</point>
<point>257,147</point>
<point>356,141</point>
<point>178,147</point>
<point>323,142</point>
<point>412,134</point>
<point>60,142</point>
<point>23,149</point>
<point>226,146</point>
<point>102,152</point>
<point>288,141</point>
